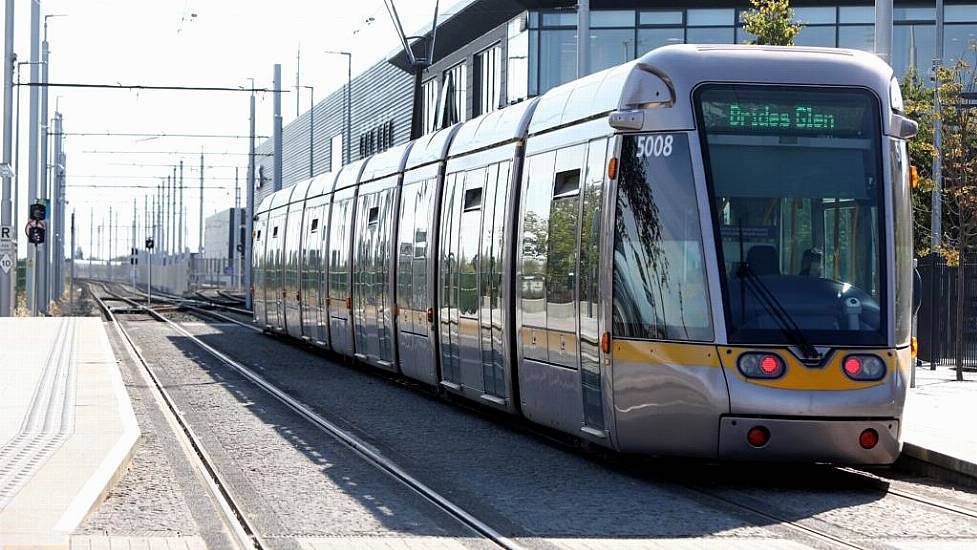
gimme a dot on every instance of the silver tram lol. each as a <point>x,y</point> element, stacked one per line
<point>705,252</point>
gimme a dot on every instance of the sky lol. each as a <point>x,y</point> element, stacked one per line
<point>221,43</point>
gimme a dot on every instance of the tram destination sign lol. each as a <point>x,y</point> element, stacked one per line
<point>805,116</point>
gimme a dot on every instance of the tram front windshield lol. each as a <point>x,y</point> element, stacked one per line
<point>796,195</point>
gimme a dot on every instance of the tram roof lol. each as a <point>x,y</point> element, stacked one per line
<point>387,163</point>
<point>321,185</point>
<point>431,147</point>
<point>282,197</point>
<point>493,128</point>
<point>349,175</point>
<point>585,98</point>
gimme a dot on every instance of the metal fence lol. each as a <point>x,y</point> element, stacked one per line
<point>936,327</point>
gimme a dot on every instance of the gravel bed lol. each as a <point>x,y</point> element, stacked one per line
<point>293,480</point>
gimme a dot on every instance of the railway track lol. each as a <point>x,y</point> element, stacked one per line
<point>749,507</point>
<point>243,534</point>
<point>366,451</point>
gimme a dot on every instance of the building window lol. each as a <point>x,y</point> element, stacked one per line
<point>488,80</point>
<point>612,38</point>
<point>454,95</point>
<point>429,106</point>
<point>517,60</point>
<point>336,147</point>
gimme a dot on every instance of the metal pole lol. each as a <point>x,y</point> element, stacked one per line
<point>180,248</point>
<point>91,240</point>
<point>71,285</point>
<point>349,105</point>
<point>44,249</point>
<point>163,233</point>
<point>277,124</point>
<point>311,131</point>
<point>883,29</point>
<point>108,235</point>
<point>583,38</point>
<point>173,218</point>
<point>200,230</point>
<point>32,154</point>
<point>7,282</point>
<point>57,202</point>
<point>235,229</point>
<point>135,248</point>
<point>936,215</point>
<point>249,215</point>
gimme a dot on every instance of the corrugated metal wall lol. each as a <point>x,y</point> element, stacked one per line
<point>383,93</point>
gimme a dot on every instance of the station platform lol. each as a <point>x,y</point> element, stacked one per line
<point>940,420</point>
<point>67,428</point>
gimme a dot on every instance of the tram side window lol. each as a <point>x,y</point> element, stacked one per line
<point>535,227</point>
<point>660,287</point>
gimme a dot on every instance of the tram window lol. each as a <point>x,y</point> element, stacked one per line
<point>374,216</point>
<point>566,184</point>
<point>274,233</point>
<point>258,238</point>
<point>795,174</point>
<point>473,199</point>
<point>315,225</point>
<point>659,276</point>
<point>535,225</point>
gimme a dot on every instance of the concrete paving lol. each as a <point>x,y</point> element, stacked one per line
<point>940,418</point>
<point>66,424</point>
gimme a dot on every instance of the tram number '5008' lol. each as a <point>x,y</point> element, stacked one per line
<point>655,146</point>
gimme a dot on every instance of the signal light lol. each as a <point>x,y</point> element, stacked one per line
<point>761,365</point>
<point>914,177</point>
<point>612,168</point>
<point>868,439</point>
<point>864,368</point>
<point>758,436</point>
<point>605,342</point>
<point>914,347</point>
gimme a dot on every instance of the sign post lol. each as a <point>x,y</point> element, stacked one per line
<point>8,249</point>
<point>149,279</point>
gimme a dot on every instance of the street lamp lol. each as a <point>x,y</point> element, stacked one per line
<point>349,100</point>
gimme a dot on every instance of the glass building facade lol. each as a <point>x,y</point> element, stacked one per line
<point>618,36</point>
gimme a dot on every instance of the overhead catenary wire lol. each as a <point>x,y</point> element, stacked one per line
<point>121,86</point>
<point>194,153</point>
<point>157,135</point>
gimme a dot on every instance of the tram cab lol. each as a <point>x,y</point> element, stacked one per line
<point>761,289</point>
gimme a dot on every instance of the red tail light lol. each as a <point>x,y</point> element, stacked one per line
<point>869,439</point>
<point>863,367</point>
<point>761,365</point>
<point>758,436</point>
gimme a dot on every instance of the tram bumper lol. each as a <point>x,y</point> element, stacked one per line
<point>809,440</point>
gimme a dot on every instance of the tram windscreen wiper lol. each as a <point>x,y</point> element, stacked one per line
<point>777,311</point>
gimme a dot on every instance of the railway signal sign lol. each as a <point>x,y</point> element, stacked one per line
<point>36,230</point>
<point>37,212</point>
<point>149,244</point>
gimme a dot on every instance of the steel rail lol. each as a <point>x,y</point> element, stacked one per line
<point>886,485</point>
<point>366,451</point>
<point>244,535</point>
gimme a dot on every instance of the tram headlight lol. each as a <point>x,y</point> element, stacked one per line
<point>761,365</point>
<point>895,96</point>
<point>863,367</point>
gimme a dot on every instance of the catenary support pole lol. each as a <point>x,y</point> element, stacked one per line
<point>33,124</point>
<point>175,221</point>
<point>44,249</point>
<point>883,29</point>
<point>180,248</point>
<point>277,124</point>
<point>200,232</point>
<point>8,278</point>
<point>936,213</point>
<point>74,258</point>
<point>235,231</point>
<point>249,215</point>
<point>583,38</point>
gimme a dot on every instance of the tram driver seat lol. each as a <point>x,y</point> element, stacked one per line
<point>763,260</point>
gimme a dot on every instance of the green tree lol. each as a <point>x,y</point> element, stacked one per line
<point>772,22</point>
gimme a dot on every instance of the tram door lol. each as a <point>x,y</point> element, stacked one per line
<point>372,278</point>
<point>313,242</point>
<point>276,267</point>
<point>559,289</point>
<point>293,260</point>
<point>338,301</point>
<point>258,262</point>
<point>472,235</point>
<point>415,335</point>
